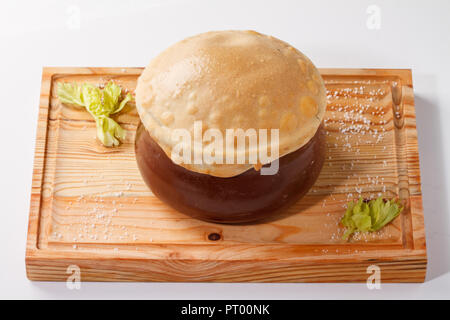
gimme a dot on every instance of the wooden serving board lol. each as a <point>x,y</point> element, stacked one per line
<point>91,208</point>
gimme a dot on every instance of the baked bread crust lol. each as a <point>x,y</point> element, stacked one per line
<point>230,80</point>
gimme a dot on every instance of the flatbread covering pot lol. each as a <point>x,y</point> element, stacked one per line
<point>204,89</point>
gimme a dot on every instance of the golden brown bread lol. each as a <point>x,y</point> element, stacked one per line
<point>230,80</point>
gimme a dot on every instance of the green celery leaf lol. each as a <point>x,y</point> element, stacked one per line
<point>375,210</point>
<point>390,211</point>
<point>122,104</point>
<point>70,93</point>
<point>100,104</point>
<point>348,232</point>
<point>369,216</point>
<point>108,131</point>
<point>111,95</point>
<point>362,222</point>
<point>361,207</point>
<point>92,97</point>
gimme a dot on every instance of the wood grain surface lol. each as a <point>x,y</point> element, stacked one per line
<point>91,208</point>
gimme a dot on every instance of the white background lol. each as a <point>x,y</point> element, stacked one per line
<point>33,34</point>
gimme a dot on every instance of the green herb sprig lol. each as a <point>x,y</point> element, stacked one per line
<point>369,216</point>
<point>100,103</point>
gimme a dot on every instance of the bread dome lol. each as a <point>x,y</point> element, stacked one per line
<point>231,80</point>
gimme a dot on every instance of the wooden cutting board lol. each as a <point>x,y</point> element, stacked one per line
<point>91,208</point>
